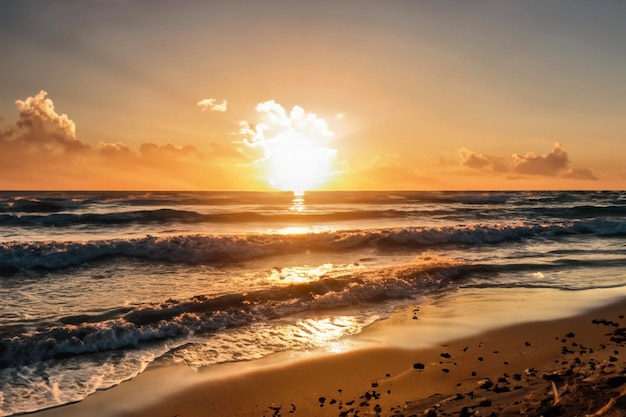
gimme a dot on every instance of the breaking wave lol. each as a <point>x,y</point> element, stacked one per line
<point>130,327</point>
<point>224,249</point>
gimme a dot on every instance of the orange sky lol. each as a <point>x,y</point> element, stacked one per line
<point>403,95</point>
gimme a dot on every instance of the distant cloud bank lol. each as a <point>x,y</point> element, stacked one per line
<point>41,150</point>
<point>554,164</point>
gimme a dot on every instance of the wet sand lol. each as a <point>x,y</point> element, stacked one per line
<point>570,367</point>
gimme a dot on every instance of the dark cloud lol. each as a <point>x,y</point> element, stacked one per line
<point>580,174</point>
<point>114,150</point>
<point>554,164</point>
<point>481,161</point>
<point>551,165</point>
<point>152,150</point>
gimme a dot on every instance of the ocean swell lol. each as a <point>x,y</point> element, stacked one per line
<point>224,249</point>
<point>168,215</point>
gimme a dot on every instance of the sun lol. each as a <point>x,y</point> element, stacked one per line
<point>295,147</point>
<point>298,164</point>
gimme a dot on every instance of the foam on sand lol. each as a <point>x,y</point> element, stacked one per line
<point>533,366</point>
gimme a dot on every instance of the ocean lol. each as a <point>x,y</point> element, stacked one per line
<point>97,286</point>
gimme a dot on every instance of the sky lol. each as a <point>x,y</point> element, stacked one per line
<point>302,95</point>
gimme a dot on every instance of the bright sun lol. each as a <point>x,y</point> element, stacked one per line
<point>298,164</point>
<point>295,152</point>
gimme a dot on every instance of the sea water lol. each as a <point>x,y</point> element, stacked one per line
<point>96,286</point>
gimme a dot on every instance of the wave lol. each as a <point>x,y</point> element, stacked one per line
<point>135,326</point>
<point>131,327</point>
<point>56,201</point>
<point>109,209</point>
<point>581,211</point>
<point>535,285</point>
<point>162,216</point>
<point>75,219</point>
<point>50,214</point>
<point>37,205</point>
<point>224,249</point>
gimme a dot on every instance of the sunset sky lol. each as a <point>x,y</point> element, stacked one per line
<point>358,94</point>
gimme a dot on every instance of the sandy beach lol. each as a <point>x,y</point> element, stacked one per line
<point>572,366</point>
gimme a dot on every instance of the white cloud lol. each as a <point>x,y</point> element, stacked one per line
<point>275,123</point>
<point>39,129</point>
<point>213,105</point>
<point>40,110</point>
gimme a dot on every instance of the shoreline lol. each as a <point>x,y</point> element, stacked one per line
<point>487,370</point>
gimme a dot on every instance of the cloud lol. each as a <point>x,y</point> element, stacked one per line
<point>178,152</point>
<point>481,161</point>
<point>275,123</point>
<point>38,112</point>
<point>580,174</point>
<point>113,149</point>
<point>553,164</point>
<point>39,127</point>
<point>41,150</point>
<point>213,105</point>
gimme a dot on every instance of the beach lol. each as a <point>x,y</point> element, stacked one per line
<point>572,366</point>
<point>120,304</point>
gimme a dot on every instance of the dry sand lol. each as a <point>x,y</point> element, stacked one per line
<point>568,367</point>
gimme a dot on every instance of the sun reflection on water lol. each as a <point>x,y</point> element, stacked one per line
<point>297,204</point>
<point>327,332</point>
<point>306,273</point>
<point>296,230</point>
